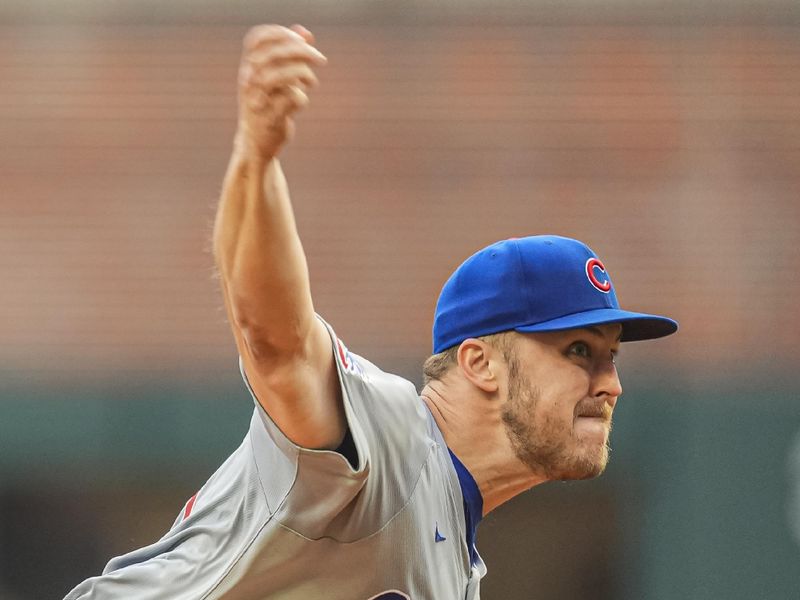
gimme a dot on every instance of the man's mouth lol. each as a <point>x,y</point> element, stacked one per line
<point>599,410</point>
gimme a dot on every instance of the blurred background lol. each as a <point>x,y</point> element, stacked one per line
<point>664,134</point>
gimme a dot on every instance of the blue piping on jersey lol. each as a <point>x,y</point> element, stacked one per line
<point>473,504</point>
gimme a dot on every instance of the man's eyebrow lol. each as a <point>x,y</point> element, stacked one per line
<point>599,333</point>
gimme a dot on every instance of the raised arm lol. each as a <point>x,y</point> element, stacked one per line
<point>285,349</point>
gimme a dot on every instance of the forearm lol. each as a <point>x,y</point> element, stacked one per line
<point>285,350</point>
<point>262,266</point>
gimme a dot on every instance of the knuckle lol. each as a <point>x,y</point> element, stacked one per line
<point>261,33</point>
<point>252,37</point>
<point>270,81</point>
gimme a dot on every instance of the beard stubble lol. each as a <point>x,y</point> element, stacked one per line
<point>548,448</point>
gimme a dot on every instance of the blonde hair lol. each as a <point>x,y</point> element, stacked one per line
<point>436,366</point>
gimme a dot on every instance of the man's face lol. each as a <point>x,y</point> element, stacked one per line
<point>562,388</point>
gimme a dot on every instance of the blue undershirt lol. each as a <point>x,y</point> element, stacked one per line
<point>473,504</point>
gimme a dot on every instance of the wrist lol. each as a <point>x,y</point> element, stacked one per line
<point>245,149</point>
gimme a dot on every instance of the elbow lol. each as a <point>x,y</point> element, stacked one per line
<point>269,343</point>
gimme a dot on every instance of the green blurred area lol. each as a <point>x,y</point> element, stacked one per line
<point>695,503</point>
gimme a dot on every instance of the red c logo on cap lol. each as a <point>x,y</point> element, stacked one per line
<point>591,265</point>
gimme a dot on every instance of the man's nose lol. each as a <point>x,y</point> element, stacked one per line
<point>606,382</point>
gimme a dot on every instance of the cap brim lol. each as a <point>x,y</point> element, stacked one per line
<point>635,326</point>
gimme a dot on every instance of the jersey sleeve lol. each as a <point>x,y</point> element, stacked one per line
<point>318,493</point>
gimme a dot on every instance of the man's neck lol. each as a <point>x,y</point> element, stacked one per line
<point>475,432</point>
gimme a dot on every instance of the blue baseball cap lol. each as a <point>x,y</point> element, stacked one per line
<point>537,283</point>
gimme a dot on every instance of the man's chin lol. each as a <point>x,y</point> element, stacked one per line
<point>581,468</point>
<point>585,474</point>
<point>578,475</point>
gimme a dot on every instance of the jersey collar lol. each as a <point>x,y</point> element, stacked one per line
<point>473,504</point>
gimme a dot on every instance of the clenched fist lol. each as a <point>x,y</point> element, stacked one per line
<point>275,73</point>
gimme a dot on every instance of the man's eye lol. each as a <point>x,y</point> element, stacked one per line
<point>580,349</point>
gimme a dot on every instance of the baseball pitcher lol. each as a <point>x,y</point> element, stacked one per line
<point>349,484</point>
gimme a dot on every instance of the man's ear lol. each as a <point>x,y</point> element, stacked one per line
<point>475,359</point>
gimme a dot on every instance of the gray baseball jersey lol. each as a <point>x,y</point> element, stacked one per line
<point>280,521</point>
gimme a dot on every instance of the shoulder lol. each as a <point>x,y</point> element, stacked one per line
<point>378,396</point>
<point>378,392</point>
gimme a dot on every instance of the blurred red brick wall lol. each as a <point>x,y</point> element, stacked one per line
<point>674,152</point>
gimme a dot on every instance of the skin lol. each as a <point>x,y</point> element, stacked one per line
<point>541,414</point>
<point>285,349</point>
<point>515,421</point>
